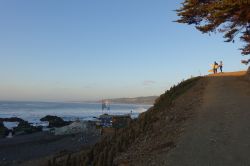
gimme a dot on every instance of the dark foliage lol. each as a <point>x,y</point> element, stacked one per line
<point>231,17</point>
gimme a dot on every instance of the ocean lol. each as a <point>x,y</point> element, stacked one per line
<point>34,111</point>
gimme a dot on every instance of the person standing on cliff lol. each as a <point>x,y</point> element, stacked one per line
<point>221,66</point>
<point>215,67</point>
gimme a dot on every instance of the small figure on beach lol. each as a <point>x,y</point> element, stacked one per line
<point>221,66</point>
<point>215,67</point>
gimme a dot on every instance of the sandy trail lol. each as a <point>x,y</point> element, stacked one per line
<point>219,134</point>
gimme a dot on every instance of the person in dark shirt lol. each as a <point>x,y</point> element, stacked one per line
<point>215,67</point>
<point>221,66</point>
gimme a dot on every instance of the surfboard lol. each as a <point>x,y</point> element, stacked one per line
<point>211,71</point>
<point>212,66</point>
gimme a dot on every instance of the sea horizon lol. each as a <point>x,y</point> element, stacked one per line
<point>33,111</point>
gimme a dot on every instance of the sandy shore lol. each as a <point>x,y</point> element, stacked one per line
<point>20,149</point>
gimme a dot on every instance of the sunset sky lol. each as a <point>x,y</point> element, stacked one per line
<point>64,50</point>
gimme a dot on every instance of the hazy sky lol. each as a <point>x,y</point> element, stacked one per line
<point>92,49</point>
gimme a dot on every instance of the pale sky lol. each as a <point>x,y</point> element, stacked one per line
<point>64,50</point>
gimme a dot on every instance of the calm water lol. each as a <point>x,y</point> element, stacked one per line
<point>33,111</point>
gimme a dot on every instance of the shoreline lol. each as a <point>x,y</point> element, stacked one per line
<point>33,112</point>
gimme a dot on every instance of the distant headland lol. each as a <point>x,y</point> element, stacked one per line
<point>148,100</point>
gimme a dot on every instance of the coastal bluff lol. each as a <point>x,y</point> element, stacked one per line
<point>194,118</point>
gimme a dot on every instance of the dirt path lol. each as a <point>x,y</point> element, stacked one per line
<point>219,135</point>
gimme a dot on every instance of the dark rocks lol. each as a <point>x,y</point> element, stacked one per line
<point>25,128</point>
<point>55,121</point>
<point>12,119</point>
<point>3,130</point>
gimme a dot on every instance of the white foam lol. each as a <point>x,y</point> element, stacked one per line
<point>10,125</point>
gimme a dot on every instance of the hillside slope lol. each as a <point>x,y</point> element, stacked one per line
<point>220,132</point>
